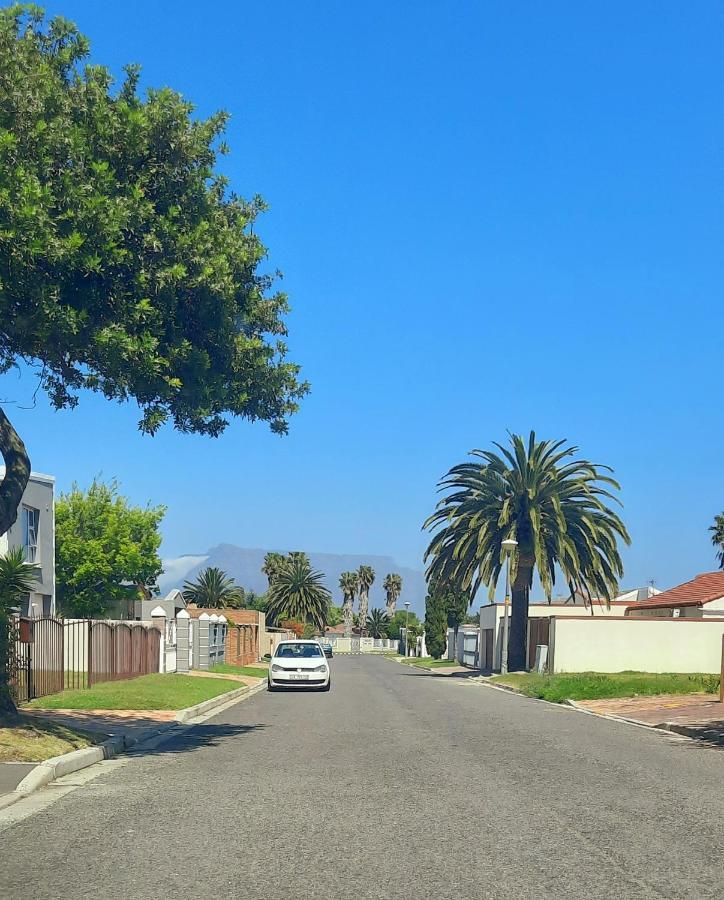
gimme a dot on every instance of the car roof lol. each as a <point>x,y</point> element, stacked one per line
<point>297,641</point>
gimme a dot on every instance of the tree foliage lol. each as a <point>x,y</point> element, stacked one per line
<point>17,578</point>
<point>393,588</point>
<point>717,537</point>
<point>397,622</point>
<point>436,624</point>
<point>366,577</point>
<point>127,266</point>
<point>214,589</point>
<point>272,565</point>
<point>349,585</point>
<point>553,506</point>
<point>376,625</point>
<point>297,592</point>
<point>106,549</point>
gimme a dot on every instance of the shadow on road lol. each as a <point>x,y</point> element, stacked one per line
<point>194,738</point>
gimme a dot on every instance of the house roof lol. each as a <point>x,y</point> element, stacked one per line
<point>334,629</point>
<point>703,589</point>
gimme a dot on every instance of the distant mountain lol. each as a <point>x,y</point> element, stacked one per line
<point>244,566</point>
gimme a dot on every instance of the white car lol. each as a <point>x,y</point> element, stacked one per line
<point>299,664</point>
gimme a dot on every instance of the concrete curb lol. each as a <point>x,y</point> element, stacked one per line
<point>68,763</point>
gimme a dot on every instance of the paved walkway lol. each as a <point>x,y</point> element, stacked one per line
<point>697,715</point>
<point>394,785</point>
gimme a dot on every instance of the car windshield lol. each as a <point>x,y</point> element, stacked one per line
<point>305,651</point>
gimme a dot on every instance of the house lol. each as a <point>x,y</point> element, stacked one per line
<point>34,531</point>
<point>699,598</point>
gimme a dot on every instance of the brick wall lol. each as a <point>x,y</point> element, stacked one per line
<point>242,635</point>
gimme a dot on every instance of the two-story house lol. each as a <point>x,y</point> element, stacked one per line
<point>34,531</point>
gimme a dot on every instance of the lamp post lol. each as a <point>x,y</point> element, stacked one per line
<point>508,546</point>
<point>407,625</point>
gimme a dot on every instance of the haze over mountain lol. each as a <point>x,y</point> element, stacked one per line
<point>244,566</point>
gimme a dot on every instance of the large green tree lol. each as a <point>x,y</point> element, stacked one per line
<point>106,549</point>
<point>273,563</point>
<point>127,266</point>
<point>554,506</point>
<point>349,585</point>
<point>366,576</point>
<point>457,603</point>
<point>213,589</point>
<point>17,578</point>
<point>717,537</point>
<point>435,623</point>
<point>376,624</point>
<point>393,588</point>
<point>297,592</point>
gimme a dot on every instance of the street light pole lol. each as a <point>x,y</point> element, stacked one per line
<point>407,627</point>
<point>508,548</point>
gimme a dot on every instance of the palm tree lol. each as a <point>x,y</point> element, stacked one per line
<point>213,589</point>
<point>298,593</point>
<point>555,509</point>
<point>717,537</point>
<point>366,576</point>
<point>17,578</point>
<point>377,623</point>
<point>393,588</point>
<point>272,564</point>
<point>349,584</point>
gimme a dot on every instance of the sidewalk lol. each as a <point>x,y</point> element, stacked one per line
<point>695,715</point>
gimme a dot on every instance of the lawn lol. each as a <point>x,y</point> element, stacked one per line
<point>29,740</point>
<point>146,692</point>
<point>228,669</point>
<point>600,686</point>
<point>425,663</point>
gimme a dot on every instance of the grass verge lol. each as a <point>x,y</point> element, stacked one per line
<point>146,692</point>
<point>228,669</point>
<point>428,663</point>
<point>27,739</point>
<point>600,686</point>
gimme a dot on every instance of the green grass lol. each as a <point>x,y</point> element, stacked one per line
<point>28,739</point>
<point>228,669</point>
<point>428,663</point>
<point>146,692</point>
<point>599,686</point>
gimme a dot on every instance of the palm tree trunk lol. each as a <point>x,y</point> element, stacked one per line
<point>518,638</point>
<point>347,613</point>
<point>363,603</point>
<point>17,473</point>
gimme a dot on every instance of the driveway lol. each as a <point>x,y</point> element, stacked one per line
<point>395,784</point>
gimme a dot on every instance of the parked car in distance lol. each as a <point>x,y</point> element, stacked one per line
<point>327,648</point>
<point>299,664</point>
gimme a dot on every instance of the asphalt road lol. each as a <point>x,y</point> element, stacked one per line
<point>395,784</point>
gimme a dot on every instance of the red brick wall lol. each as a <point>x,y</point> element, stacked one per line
<point>242,635</point>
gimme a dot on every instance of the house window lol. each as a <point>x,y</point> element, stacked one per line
<point>30,533</point>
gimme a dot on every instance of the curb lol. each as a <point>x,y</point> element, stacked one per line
<point>68,763</point>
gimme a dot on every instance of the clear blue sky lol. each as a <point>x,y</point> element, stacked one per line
<point>490,216</point>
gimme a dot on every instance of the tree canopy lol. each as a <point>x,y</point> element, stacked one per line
<point>436,624</point>
<point>106,549</point>
<point>297,592</point>
<point>17,577</point>
<point>214,589</point>
<point>717,537</point>
<point>127,266</point>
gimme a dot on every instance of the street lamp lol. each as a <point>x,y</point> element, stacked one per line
<point>508,546</point>
<point>407,626</point>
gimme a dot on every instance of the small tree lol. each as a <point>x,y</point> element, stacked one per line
<point>457,603</point>
<point>294,625</point>
<point>376,624</point>
<point>435,624</point>
<point>213,589</point>
<point>106,549</point>
<point>17,578</point>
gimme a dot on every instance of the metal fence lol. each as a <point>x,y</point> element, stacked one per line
<point>56,654</point>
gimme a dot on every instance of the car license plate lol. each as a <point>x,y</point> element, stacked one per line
<point>298,676</point>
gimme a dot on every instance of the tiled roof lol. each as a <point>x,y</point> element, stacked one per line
<point>703,589</point>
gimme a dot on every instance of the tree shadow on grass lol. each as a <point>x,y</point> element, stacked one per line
<point>180,738</point>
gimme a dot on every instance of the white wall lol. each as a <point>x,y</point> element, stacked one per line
<point>608,644</point>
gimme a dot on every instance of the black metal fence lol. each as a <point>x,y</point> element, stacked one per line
<point>52,655</point>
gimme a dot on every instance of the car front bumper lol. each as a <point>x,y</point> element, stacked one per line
<point>292,679</point>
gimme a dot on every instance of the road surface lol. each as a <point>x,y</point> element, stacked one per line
<point>395,784</point>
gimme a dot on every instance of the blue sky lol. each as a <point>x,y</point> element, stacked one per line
<point>490,216</point>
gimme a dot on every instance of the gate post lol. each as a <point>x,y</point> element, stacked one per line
<point>183,649</point>
<point>158,617</point>
<point>203,623</point>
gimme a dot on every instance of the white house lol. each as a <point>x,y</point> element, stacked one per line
<point>34,531</point>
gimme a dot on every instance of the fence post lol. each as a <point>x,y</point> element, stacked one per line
<point>158,617</point>
<point>183,647</point>
<point>203,624</point>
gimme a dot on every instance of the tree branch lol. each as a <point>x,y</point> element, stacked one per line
<point>17,473</point>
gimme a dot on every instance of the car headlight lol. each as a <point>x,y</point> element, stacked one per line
<point>319,669</point>
<point>276,668</point>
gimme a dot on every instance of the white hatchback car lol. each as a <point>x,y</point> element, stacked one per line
<point>299,664</point>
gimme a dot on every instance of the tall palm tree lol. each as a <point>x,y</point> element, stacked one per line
<point>393,588</point>
<point>349,584</point>
<point>213,589</point>
<point>554,508</point>
<point>17,578</point>
<point>717,537</point>
<point>366,576</point>
<point>377,623</point>
<point>272,564</point>
<point>298,593</point>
